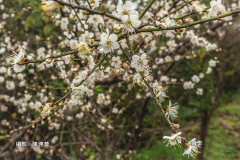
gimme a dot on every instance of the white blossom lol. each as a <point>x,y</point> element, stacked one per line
<point>188,85</point>
<point>212,63</point>
<point>125,9</point>
<point>83,49</point>
<point>209,70</point>
<point>46,109</point>
<point>174,139</point>
<point>86,37</point>
<point>116,62</point>
<point>108,42</point>
<point>129,23</point>
<point>172,111</point>
<point>49,5</point>
<point>216,7</point>
<point>18,58</point>
<point>193,148</point>
<point>95,20</point>
<point>195,78</point>
<point>199,91</point>
<point>139,62</point>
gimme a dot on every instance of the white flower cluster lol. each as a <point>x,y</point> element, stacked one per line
<point>188,85</point>
<point>211,63</point>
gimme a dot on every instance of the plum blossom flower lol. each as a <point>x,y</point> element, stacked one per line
<point>94,3</point>
<point>193,148</point>
<point>46,109</point>
<point>212,63</point>
<point>188,85</point>
<point>130,22</point>
<point>125,9</point>
<point>172,111</point>
<point>159,90</point>
<point>116,62</point>
<point>81,26</point>
<point>139,62</point>
<point>49,5</point>
<point>108,42</point>
<point>195,78</point>
<point>199,91</point>
<point>95,20</point>
<point>216,7</point>
<point>174,139</point>
<point>18,58</point>
<point>79,91</point>
<point>83,49</point>
<point>68,34</point>
<point>164,78</point>
<point>169,23</point>
<point>73,44</point>
<point>209,70</point>
<point>162,94</point>
<point>196,5</point>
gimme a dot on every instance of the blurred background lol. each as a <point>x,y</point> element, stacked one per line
<point>213,117</point>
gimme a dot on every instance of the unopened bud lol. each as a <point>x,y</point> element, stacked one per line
<point>73,56</point>
<point>163,26</point>
<point>126,66</point>
<point>61,103</point>
<point>206,11</point>
<point>176,126</point>
<point>101,51</point>
<point>105,18</point>
<point>221,19</point>
<point>49,60</point>
<point>179,21</point>
<point>177,31</point>
<point>92,5</point>
<point>117,28</point>
<point>86,12</point>
<point>186,19</point>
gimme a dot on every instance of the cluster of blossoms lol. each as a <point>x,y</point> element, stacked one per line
<point>100,53</point>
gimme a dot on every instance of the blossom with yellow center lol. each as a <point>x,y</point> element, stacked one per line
<point>49,5</point>
<point>175,139</point>
<point>83,49</point>
<point>108,42</point>
<point>16,59</point>
<point>46,109</point>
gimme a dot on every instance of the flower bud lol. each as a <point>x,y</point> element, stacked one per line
<point>163,26</point>
<point>176,126</point>
<point>126,66</point>
<point>86,12</point>
<point>92,5</point>
<point>72,56</point>
<point>105,18</point>
<point>179,21</point>
<point>206,11</point>
<point>49,60</point>
<point>117,28</point>
<point>186,19</point>
<point>101,51</point>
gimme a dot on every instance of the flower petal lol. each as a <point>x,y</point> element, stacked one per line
<point>128,5</point>
<point>18,68</point>
<point>113,37</point>
<point>104,37</point>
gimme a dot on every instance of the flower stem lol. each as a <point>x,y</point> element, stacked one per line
<point>146,9</point>
<point>82,7</point>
